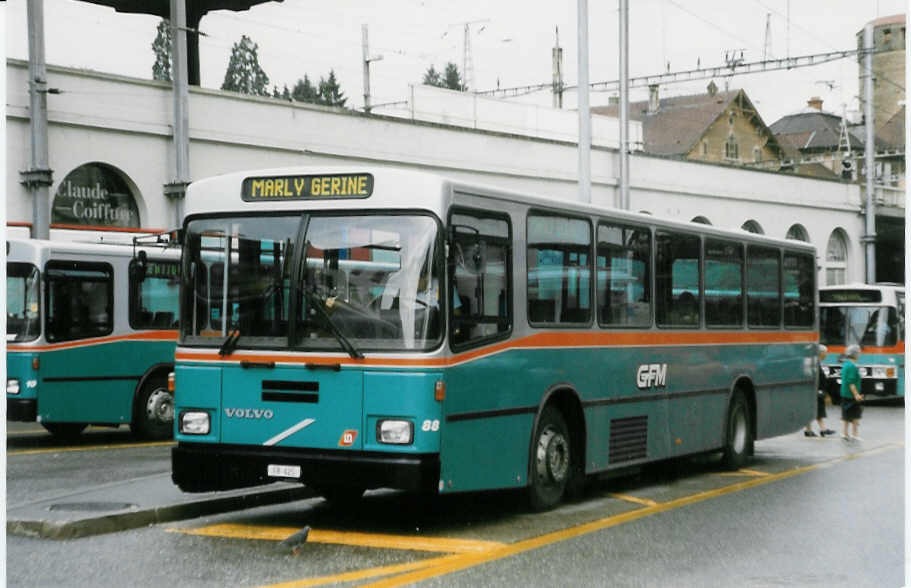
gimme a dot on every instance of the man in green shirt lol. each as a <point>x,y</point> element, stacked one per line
<point>851,398</point>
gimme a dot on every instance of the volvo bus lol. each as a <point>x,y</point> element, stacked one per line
<point>91,331</point>
<point>873,317</point>
<point>355,328</point>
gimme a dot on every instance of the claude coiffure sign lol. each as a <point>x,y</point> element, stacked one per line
<point>95,194</point>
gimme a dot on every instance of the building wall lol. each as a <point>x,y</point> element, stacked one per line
<point>125,123</point>
<point>888,67</point>
<point>712,145</point>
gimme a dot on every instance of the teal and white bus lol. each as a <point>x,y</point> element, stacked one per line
<point>91,331</point>
<point>873,317</point>
<point>355,328</point>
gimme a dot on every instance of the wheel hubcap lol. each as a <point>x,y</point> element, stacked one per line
<point>740,432</point>
<point>160,407</point>
<point>552,457</point>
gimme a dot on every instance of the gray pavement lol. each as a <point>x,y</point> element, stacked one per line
<point>137,502</point>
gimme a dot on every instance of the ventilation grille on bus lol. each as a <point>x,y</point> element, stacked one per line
<point>628,438</point>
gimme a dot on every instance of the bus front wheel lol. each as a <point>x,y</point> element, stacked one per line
<point>551,460</point>
<point>738,443</point>
<point>153,416</point>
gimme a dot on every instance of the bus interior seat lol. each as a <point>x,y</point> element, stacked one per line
<point>163,319</point>
<point>541,311</point>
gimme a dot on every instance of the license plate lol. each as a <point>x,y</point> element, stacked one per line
<point>284,471</point>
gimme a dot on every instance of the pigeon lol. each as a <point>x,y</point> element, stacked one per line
<point>296,541</point>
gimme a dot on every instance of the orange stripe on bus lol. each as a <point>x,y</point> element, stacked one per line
<point>897,348</point>
<point>164,335</point>
<point>538,340</point>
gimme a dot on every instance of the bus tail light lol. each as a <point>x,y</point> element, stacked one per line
<point>36,363</point>
<point>171,385</point>
<point>439,391</point>
<point>12,386</point>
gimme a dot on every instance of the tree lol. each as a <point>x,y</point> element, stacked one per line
<point>452,79</point>
<point>161,46</point>
<point>244,73</point>
<point>286,93</point>
<point>449,79</point>
<point>432,78</point>
<point>330,93</point>
<point>304,91</point>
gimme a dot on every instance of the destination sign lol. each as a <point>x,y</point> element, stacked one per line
<point>864,296</point>
<point>310,187</point>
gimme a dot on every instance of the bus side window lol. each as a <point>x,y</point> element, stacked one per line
<point>480,275</point>
<point>153,295</point>
<point>763,285</point>
<point>80,302</point>
<point>677,280</point>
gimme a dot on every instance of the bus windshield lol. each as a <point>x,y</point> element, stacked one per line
<point>23,317</point>
<point>875,326</point>
<point>367,282</point>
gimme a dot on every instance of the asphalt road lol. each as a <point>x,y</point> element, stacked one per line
<point>806,512</point>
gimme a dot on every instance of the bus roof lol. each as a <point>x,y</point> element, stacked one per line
<point>37,250</point>
<point>399,188</point>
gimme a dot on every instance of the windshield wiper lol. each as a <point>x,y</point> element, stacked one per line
<point>319,303</point>
<point>230,343</point>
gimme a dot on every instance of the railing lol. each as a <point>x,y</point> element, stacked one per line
<point>889,196</point>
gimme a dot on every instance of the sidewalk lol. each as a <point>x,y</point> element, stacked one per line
<point>134,503</point>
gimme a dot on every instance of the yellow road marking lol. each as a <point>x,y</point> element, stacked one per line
<point>745,472</point>
<point>468,560</point>
<point>90,448</point>
<point>382,541</point>
<point>363,574</point>
<point>636,499</point>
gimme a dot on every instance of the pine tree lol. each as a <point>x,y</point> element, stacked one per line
<point>244,73</point>
<point>432,78</point>
<point>286,93</point>
<point>304,91</point>
<point>161,47</point>
<point>275,93</point>
<point>452,79</point>
<point>330,92</point>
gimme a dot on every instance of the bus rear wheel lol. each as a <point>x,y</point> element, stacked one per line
<point>153,415</point>
<point>65,430</point>
<point>738,443</point>
<point>551,460</point>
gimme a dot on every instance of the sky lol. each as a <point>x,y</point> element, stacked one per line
<point>510,43</point>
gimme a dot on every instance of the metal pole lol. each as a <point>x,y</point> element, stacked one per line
<point>869,238</point>
<point>38,178</point>
<point>557,57</point>
<point>177,189</point>
<point>624,105</point>
<point>366,54</point>
<point>585,120</point>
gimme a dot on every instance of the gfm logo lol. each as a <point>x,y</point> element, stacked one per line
<point>651,375</point>
<point>348,438</point>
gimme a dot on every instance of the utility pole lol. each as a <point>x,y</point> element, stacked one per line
<point>39,177</point>
<point>176,189</point>
<point>624,105</point>
<point>367,60</point>
<point>869,238</point>
<point>467,67</point>
<point>585,119</point>
<point>767,44</point>
<point>558,71</point>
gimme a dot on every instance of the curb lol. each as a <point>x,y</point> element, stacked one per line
<point>123,521</point>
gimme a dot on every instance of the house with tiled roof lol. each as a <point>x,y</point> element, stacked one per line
<point>715,126</point>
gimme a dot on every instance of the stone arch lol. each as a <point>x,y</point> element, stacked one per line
<point>798,232</point>
<point>752,226</point>
<point>837,249</point>
<point>98,194</point>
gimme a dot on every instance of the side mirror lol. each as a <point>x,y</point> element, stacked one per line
<point>142,262</point>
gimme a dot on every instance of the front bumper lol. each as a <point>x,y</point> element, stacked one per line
<point>198,467</point>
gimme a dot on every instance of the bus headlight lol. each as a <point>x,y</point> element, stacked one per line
<point>394,432</point>
<point>882,372</point>
<point>12,386</point>
<point>194,423</point>
<point>825,371</point>
<point>864,372</point>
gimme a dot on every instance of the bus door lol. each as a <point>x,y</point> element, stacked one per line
<point>82,376</point>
